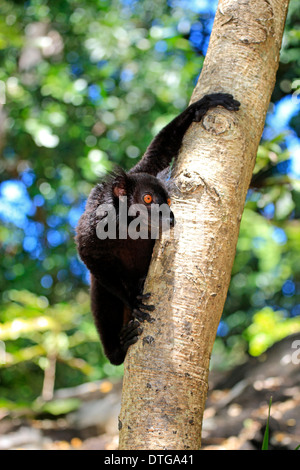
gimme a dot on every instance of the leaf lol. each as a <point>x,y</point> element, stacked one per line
<point>59,407</point>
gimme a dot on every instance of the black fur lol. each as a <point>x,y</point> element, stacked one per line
<point>119,266</point>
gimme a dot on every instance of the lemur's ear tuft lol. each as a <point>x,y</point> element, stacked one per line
<point>119,185</point>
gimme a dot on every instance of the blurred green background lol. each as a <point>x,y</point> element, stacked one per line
<point>83,85</point>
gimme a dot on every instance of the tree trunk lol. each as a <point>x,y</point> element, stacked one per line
<point>166,371</point>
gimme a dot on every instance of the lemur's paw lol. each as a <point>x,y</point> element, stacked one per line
<point>139,307</point>
<point>130,334</point>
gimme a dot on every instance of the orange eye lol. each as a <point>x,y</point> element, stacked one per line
<point>169,201</point>
<point>148,198</point>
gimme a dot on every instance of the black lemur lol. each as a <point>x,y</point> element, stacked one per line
<point>119,266</point>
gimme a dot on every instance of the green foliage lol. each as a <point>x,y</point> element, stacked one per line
<point>267,327</point>
<point>34,332</point>
<point>58,407</point>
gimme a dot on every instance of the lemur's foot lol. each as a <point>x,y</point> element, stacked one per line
<point>130,334</point>
<point>139,307</point>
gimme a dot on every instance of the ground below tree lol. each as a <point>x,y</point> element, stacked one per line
<point>235,415</point>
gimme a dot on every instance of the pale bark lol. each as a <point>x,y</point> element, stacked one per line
<point>166,371</point>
